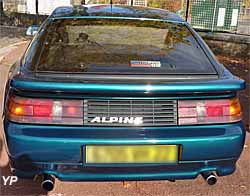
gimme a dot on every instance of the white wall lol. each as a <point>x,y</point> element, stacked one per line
<point>47,6</point>
<point>140,2</point>
<point>44,6</point>
<point>31,6</point>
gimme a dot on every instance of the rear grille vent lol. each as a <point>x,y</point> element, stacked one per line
<point>99,112</point>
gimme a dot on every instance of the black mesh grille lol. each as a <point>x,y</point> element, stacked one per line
<point>153,112</point>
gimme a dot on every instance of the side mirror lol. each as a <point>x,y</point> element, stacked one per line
<point>32,30</point>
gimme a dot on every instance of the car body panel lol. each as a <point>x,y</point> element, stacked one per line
<point>204,148</point>
<point>59,150</point>
<point>74,137</point>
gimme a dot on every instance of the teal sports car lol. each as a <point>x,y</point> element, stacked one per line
<point>121,93</point>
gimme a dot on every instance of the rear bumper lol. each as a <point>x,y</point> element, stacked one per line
<point>58,150</point>
<point>77,172</point>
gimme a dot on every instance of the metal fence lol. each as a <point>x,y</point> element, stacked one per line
<point>210,15</point>
<point>215,15</point>
<point>244,20</point>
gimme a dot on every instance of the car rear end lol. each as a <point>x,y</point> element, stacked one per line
<point>105,107</point>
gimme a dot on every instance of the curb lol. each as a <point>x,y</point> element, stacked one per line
<point>9,48</point>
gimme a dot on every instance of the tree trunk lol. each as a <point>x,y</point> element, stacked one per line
<point>37,12</point>
<point>1,8</point>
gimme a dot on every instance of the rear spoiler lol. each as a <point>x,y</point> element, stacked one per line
<point>213,86</point>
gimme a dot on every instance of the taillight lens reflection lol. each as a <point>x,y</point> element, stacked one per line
<point>45,111</point>
<point>209,111</point>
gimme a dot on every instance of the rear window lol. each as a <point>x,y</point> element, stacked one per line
<point>118,46</point>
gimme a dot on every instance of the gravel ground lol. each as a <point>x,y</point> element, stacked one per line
<point>237,184</point>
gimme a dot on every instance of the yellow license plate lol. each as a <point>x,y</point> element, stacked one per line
<point>131,154</point>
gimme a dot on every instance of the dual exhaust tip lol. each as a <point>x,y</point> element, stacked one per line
<point>48,181</point>
<point>209,177</point>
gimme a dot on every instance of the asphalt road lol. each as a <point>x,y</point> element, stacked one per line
<point>237,184</point>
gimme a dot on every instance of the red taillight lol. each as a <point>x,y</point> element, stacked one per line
<point>71,111</point>
<point>42,108</point>
<point>213,111</point>
<point>45,111</point>
<point>209,111</point>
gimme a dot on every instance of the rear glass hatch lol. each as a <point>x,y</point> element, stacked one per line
<point>118,46</point>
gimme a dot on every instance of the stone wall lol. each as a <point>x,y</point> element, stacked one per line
<point>228,44</point>
<point>21,19</point>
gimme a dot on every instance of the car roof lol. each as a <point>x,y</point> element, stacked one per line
<point>107,10</point>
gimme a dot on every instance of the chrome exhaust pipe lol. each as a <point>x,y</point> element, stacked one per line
<point>209,177</point>
<point>48,182</point>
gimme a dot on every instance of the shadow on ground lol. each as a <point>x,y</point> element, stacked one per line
<point>23,187</point>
